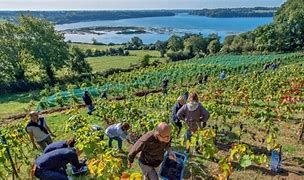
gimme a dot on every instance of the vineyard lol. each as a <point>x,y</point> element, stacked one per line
<point>253,111</point>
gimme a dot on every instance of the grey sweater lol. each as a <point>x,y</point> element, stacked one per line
<point>193,114</point>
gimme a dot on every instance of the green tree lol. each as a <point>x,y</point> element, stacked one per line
<point>136,41</point>
<point>195,44</point>
<point>12,57</point>
<point>175,43</point>
<point>214,46</point>
<point>213,36</point>
<point>77,62</point>
<point>289,22</point>
<point>45,44</point>
<point>161,47</point>
<point>227,43</point>
<point>145,60</point>
<point>237,44</point>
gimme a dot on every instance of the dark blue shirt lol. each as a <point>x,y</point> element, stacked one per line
<point>87,99</point>
<point>175,109</point>
<point>55,145</point>
<point>57,159</point>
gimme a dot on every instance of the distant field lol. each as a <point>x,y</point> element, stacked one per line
<point>141,53</point>
<point>17,103</point>
<point>106,62</point>
<point>91,46</point>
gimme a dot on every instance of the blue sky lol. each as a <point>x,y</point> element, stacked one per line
<point>130,4</point>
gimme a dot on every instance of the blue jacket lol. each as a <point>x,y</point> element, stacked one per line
<point>55,145</point>
<point>175,109</point>
<point>57,159</point>
<point>87,100</point>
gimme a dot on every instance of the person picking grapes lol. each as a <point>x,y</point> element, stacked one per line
<point>118,132</point>
<point>193,113</point>
<point>152,146</point>
<point>39,131</point>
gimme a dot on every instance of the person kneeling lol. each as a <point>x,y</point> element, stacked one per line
<point>70,143</point>
<point>51,166</point>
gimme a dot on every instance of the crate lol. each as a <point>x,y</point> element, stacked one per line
<point>173,170</point>
<point>83,171</point>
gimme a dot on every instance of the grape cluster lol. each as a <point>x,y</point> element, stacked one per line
<point>172,170</point>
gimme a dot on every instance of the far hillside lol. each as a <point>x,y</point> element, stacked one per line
<point>237,12</point>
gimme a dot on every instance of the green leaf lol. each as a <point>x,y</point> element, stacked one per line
<point>245,161</point>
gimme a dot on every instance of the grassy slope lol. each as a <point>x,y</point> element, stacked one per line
<point>17,103</point>
<point>107,62</point>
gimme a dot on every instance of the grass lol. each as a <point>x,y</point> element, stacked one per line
<point>17,103</point>
<point>107,62</point>
<point>91,46</point>
<point>142,53</point>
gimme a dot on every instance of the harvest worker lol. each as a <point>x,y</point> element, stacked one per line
<point>104,95</point>
<point>222,75</point>
<point>38,130</point>
<point>176,107</point>
<point>117,132</point>
<point>152,146</point>
<point>165,85</point>
<point>51,166</point>
<point>193,113</point>
<point>88,102</point>
<point>186,95</point>
<point>70,143</point>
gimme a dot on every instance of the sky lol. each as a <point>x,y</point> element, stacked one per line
<point>131,4</point>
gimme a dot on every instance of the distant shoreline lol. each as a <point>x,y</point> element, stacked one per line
<point>67,17</point>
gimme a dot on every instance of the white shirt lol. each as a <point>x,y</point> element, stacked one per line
<point>37,133</point>
<point>115,130</point>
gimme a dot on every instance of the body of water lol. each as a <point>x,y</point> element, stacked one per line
<point>178,24</point>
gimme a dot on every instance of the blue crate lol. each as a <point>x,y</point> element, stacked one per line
<point>275,162</point>
<point>181,161</point>
<point>83,171</point>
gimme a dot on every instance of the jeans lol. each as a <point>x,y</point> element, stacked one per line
<point>179,125</point>
<point>148,172</point>
<point>90,109</point>
<point>118,139</point>
<point>44,174</point>
<point>45,142</point>
<point>188,134</point>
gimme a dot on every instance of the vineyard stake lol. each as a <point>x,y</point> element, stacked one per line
<point>10,158</point>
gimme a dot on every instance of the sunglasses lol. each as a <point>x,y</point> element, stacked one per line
<point>164,137</point>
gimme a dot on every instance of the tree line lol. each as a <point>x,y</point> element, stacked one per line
<point>63,17</point>
<point>236,12</point>
<point>285,34</point>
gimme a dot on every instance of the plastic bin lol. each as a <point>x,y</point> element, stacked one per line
<point>173,170</point>
<point>83,171</point>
